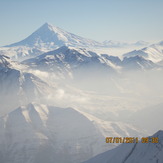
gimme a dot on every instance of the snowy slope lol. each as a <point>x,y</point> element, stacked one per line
<point>18,86</point>
<point>51,36</point>
<point>39,133</point>
<point>135,153</point>
<point>21,52</point>
<point>46,38</point>
<point>114,59</point>
<point>137,63</point>
<point>4,61</point>
<point>153,52</point>
<point>70,60</point>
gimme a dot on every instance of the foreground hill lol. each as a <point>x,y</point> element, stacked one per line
<point>134,152</point>
<point>39,133</point>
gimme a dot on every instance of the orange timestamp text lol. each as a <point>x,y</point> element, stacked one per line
<point>131,140</point>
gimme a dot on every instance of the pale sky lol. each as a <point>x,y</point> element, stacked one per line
<point>120,20</point>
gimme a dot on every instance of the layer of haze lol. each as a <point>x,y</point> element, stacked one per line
<point>132,96</point>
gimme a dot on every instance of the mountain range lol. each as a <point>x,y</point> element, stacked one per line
<point>56,89</point>
<point>153,52</point>
<point>49,37</point>
<point>72,62</point>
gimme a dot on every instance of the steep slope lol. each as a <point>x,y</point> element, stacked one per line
<point>114,59</point>
<point>18,86</point>
<point>137,63</point>
<point>135,153</point>
<point>77,63</point>
<point>4,61</point>
<point>71,61</point>
<point>39,133</point>
<point>52,36</point>
<point>153,53</point>
<point>46,38</point>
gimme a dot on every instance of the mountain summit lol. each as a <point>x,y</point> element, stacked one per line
<point>51,36</point>
<point>44,39</point>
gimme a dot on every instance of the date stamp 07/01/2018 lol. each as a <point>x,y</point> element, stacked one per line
<point>131,140</point>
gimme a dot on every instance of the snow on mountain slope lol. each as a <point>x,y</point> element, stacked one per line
<point>46,38</point>
<point>137,62</point>
<point>39,133</point>
<point>134,152</point>
<point>21,52</point>
<point>113,128</point>
<point>153,53</point>
<point>68,60</point>
<point>49,37</point>
<point>114,59</point>
<point>4,61</point>
<point>52,36</point>
<point>18,86</point>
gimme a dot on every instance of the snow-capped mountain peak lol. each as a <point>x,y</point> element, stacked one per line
<point>137,62</point>
<point>153,52</point>
<point>46,38</point>
<point>50,36</point>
